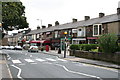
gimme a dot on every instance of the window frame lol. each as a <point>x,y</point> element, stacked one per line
<point>98,29</point>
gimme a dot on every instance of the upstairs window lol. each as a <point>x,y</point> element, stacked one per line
<point>97,29</point>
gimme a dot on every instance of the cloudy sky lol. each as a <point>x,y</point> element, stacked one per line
<point>49,11</point>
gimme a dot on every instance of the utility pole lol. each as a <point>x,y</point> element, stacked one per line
<point>65,44</point>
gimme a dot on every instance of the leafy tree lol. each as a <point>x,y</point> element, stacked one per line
<point>108,43</point>
<point>13,16</point>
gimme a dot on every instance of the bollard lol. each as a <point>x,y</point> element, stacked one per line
<point>59,51</point>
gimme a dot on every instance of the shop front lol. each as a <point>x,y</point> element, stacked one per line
<point>78,40</point>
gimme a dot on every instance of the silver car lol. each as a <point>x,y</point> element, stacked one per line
<point>33,49</point>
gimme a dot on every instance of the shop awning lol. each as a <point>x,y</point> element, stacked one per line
<point>41,41</point>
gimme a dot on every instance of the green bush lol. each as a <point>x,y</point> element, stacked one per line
<point>118,47</point>
<point>108,43</point>
<point>88,47</point>
<point>84,47</point>
<point>75,47</point>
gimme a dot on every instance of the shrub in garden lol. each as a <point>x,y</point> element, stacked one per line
<point>108,43</point>
<point>75,47</point>
<point>84,47</point>
<point>88,47</point>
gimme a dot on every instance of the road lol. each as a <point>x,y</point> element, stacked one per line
<point>23,65</point>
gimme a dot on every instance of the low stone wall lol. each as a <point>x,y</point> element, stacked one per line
<point>113,58</point>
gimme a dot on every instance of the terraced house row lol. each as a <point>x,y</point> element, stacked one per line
<point>78,32</point>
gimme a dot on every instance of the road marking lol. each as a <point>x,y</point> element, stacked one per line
<point>21,64</point>
<point>9,58</point>
<point>62,60</point>
<point>16,61</point>
<point>8,68</point>
<point>41,60</point>
<point>29,60</point>
<point>33,63</point>
<point>88,75</point>
<point>106,68</point>
<point>50,59</point>
<point>30,55</point>
<point>19,72</point>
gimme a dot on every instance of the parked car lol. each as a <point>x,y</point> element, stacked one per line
<point>33,49</point>
<point>26,46</point>
<point>18,48</point>
<point>11,47</point>
<point>6,47</point>
<point>1,47</point>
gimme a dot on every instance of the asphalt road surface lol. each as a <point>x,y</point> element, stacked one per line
<point>23,65</point>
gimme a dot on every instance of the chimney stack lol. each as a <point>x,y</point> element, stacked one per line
<point>38,27</point>
<point>56,23</point>
<point>101,15</point>
<point>49,25</point>
<point>43,27</point>
<point>74,20</point>
<point>118,11</point>
<point>87,18</point>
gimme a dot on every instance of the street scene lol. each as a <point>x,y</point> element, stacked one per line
<point>23,64</point>
<point>38,42</point>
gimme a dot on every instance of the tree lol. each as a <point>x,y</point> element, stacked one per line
<point>108,43</point>
<point>13,16</point>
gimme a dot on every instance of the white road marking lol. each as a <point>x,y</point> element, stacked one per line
<point>9,58</point>
<point>88,75</point>
<point>16,61</point>
<point>41,60</point>
<point>19,72</point>
<point>29,60</point>
<point>50,59</point>
<point>33,63</point>
<point>21,64</point>
<point>30,55</point>
<point>62,60</point>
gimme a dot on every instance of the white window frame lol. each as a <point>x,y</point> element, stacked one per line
<point>97,30</point>
<point>82,30</point>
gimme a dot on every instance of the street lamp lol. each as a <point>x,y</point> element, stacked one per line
<point>65,44</point>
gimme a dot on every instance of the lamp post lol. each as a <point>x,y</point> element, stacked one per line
<point>65,44</point>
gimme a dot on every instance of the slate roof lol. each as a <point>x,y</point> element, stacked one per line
<point>105,19</point>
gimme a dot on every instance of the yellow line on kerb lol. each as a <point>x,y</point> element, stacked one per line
<point>8,69</point>
<point>113,69</point>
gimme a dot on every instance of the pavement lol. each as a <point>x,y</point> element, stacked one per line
<point>4,70</point>
<point>82,60</point>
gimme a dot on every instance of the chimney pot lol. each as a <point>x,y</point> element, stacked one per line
<point>101,15</point>
<point>56,23</point>
<point>74,20</point>
<point>43,27</point>
<point>87,18</point>
<point>49,25</point>
<point>38,27</point>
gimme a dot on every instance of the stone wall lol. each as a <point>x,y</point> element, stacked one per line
<point>113,58</point>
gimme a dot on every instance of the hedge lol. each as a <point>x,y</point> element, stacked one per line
<point>84,47</point>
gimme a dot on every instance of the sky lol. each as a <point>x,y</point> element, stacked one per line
<point>44,12</point>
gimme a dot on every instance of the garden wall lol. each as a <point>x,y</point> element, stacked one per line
<point>113,58</point>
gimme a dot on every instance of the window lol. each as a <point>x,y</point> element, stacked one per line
<point>97,29</point>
